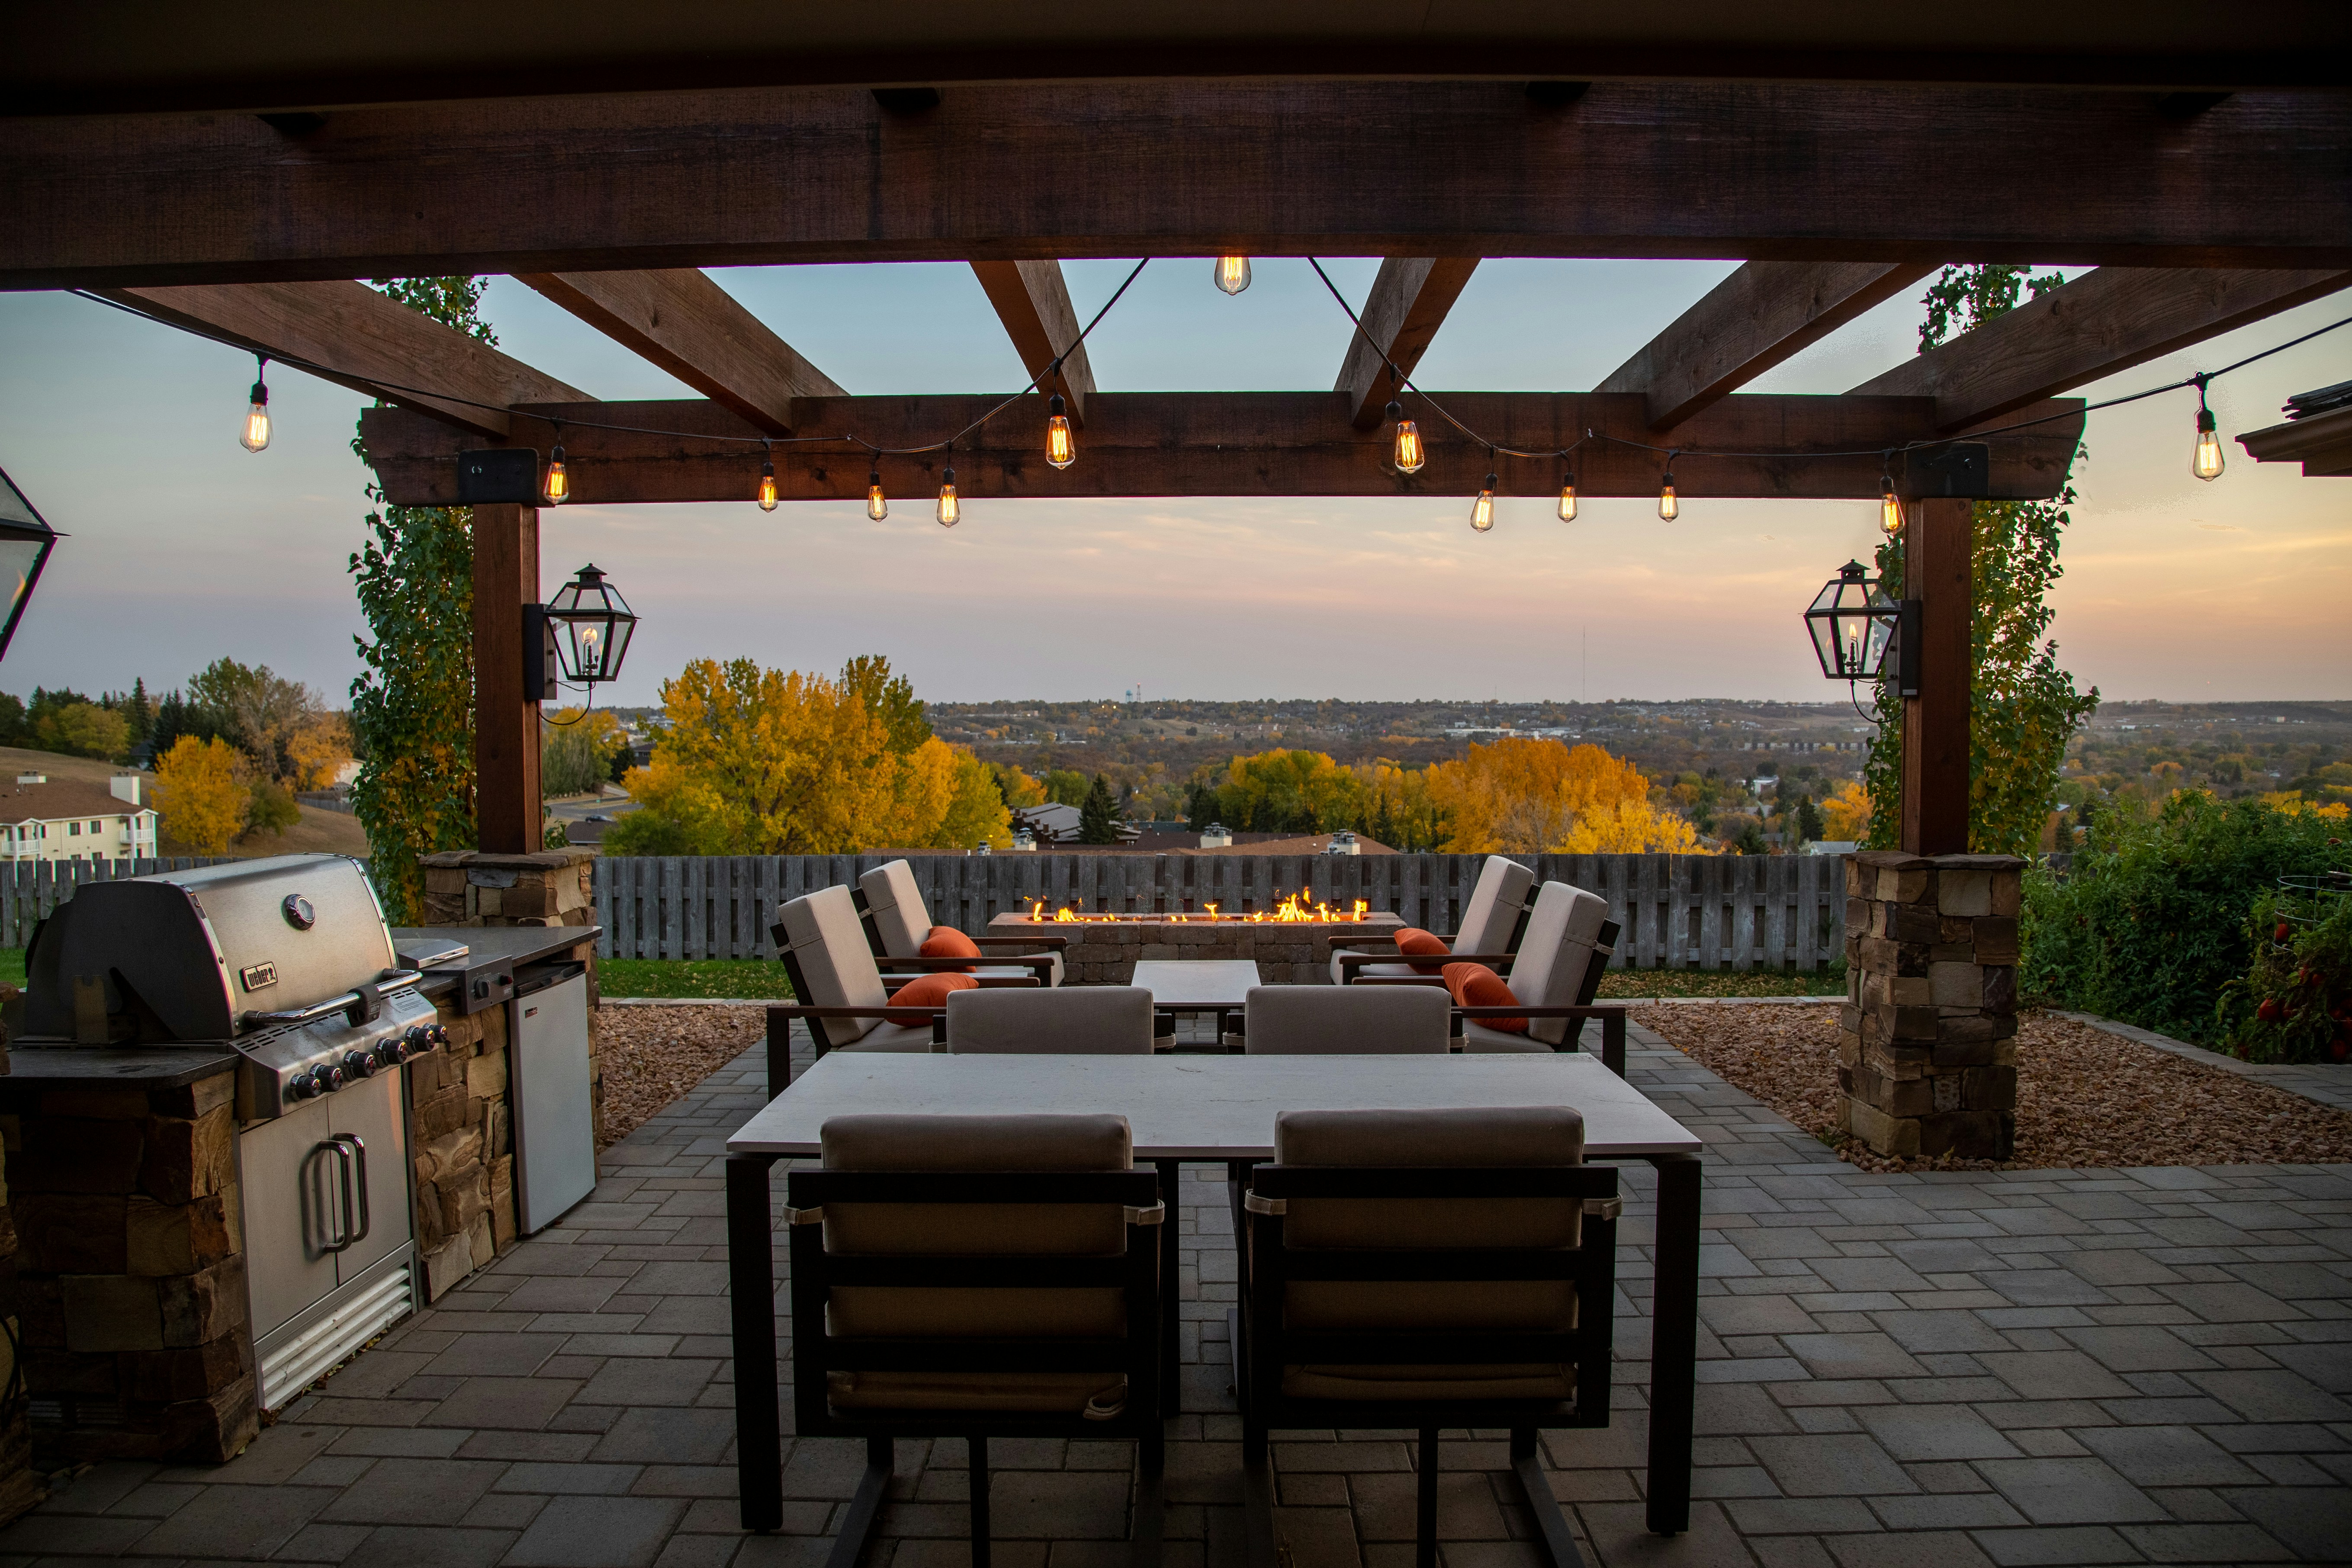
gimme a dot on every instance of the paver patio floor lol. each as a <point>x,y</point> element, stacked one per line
<point>2016,1368</point>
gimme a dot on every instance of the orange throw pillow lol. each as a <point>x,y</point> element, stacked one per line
<point>946,942</point>
<point>1475,985</point>
<point>928,991</point>
<point>1414,942</point>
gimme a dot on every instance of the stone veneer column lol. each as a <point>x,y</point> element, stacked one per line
<point>1928,1039</point>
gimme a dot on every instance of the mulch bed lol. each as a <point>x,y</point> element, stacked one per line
<point>2084,1096</point>
<point>650,1055</point>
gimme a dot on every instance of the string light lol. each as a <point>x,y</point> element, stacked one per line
<point>1233,273</point>
<point>257,412</point>
<point>558,488</point>
<point>1890,506</point>
<point>950,510</point>
<point>877,506</point>
<point>1482,510</point>
<point>1568,499</point>
<point>768,481</point>
<point>1410,453</point>
<point>1669,507</point>
<point>1061,450</point>
<point>2207,464</point>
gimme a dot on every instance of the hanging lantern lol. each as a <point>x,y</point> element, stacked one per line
<point>1852,622</point>
<point>594,625</point>
<point>25,544</point>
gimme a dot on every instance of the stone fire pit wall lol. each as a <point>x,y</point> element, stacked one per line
<point>1105,952</point>
<point>1928,1039</point>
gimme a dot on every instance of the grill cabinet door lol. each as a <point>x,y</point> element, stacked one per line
<point>370,1111</point>
<point>555,1133</point>
<point>292,1193</point>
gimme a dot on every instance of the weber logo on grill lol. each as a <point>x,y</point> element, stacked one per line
<point>258,975</point>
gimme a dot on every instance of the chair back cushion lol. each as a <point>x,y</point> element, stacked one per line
<point>1492,912</point>
<point>1075,1020</point>
<point>828,944</point>
<point>1346,1020</point>
<point>1415,943</point>
<point>946,942</point>
<point>928,991</point>
<point>901,917</point>
<point>1555,952</point>
<point>953,1145</point>
<point>1475,985</point>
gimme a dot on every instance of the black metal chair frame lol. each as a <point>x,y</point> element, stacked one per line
<point>1613,1019</point>
<point>817,1353</point>
<point>1263,1345</point>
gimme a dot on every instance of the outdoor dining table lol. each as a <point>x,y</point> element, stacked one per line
<point>1207,1109</point>
<point>1219,985</point>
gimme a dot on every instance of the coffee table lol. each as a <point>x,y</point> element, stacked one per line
<point>1208,1109</point>
<point>1219,985</point>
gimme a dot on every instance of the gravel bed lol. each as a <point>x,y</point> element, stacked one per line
<point>650,1055</point>
<point>2084,1096</point>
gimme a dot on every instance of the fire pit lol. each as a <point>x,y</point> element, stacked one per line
<point>1290,942</point>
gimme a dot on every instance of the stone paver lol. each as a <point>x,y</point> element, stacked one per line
<point>2029,1367</point>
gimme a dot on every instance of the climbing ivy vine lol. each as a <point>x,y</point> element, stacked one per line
<point>413,705</point>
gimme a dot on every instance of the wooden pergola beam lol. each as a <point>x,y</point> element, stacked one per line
<point>1032,300</point>
<point>2322,443</point>
<point>1409,301</point>
<point>1225,444</point>
<point>2102,323</point>
<point>1753,319</point>
<point>372,343</point>
<point>1662,169</point>
<point>684,323</point>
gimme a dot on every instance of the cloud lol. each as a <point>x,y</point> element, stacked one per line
<point>2221,528</point>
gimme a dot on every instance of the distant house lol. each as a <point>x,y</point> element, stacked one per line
<point>69,819</point>
<point>1056,827</point>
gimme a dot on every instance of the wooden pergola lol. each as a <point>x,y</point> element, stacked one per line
<point>235,169</point>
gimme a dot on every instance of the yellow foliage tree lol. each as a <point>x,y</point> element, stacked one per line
<point>202,791</point>
<point>319,746</point>
<point>1630,827</point>
<point>976,811</point>
<point>1845,815</point>
<point>1290,792</point>
<point>1019,788</point>
<point>1526,797</point>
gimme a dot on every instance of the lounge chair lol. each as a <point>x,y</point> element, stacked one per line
<point>1491,918</point>
<point>1419,1271</point>
<point>898,922</point>
<point>977,1277</point>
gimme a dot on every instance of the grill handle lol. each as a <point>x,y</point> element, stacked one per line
<point>364,1005</point>
<point>356,1223</point>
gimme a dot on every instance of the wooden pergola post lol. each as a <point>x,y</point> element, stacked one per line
<point>1936,572</point>
<point>507,808</point>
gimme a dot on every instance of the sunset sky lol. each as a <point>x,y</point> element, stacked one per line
<point>184,547</point>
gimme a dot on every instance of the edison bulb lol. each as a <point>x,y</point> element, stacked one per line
<point>1669,505</point>
<point>256,420</point>
<point>1233,273</point>
<point>950,511</point>
<point>558,488</point>
<point>1890,513</point>
<point>1567,499</point>
<point>877,505</point>
<point>768,488</point>
<point>1482,510</point>
<point>1061,448</point>
<point>2207,464</point>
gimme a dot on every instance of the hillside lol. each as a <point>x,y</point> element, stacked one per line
<point>329,832</point>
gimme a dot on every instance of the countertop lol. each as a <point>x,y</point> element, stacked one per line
<point>493,946</point>
<point>36,1066</point>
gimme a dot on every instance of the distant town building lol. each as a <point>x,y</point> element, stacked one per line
<point>69,819</point>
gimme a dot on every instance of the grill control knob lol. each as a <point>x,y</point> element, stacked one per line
<point>359,1064</point>
<point>392,1053</point>
<point>438,1034</point>
<point>302,1085</point>
<point>329,1078</point>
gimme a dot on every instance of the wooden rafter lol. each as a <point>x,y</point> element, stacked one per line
<point>1748,323</point>
<point>1124,168</point>
<point>1032,300</point>
<point>684,323</point>
<point>371,343</point>
<point>1409,301</point>
<point>1228,443</point>
<point>2102,323</point>
<point>2322,443</point>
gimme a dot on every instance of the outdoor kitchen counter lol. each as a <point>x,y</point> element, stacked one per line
<point>500,948</point>
<point>44,1066</point>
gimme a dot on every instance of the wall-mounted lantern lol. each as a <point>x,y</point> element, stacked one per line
<point>25,541</point>
<point>1855,628</point>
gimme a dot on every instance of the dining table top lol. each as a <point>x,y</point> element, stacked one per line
<point>1206,1107</point>
<point>1202,983</point>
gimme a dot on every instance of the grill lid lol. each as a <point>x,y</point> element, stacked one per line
<point>183,955</point>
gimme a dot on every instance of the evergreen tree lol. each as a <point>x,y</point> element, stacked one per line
<point>1098,814</point>
<point>1383,830</point>
<point>1751,839</point>
<point>1808,820</point>
<point>140,712</point>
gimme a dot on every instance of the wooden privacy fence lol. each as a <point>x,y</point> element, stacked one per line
<point>30,890</point>
<point>1698,912</point>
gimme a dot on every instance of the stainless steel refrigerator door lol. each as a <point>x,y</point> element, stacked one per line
<point>555,1135</point>
<point>365,1119</point>
<point>290,1182</point>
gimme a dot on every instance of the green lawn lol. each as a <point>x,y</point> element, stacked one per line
<point>747,977</point>
<point>1830,982</point>
<point>12,967</point>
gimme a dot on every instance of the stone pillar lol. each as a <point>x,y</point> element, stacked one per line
<point>1928,1039</point>
<point>476,888</point>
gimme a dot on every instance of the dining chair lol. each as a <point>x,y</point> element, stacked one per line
<point>977,1277</point>
<point>1077,1020</point>
<point>1344,1020</point>
<point>898,923</point>
<point>1491,918</point>
<point>1422,1270</point>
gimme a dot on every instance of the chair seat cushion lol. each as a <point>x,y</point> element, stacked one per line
<point>926,991</point>
<point>946,942</point>
<point>1475,985</point>
<point>1097,1396</point>
<point>900,1038</point>
<point>1340,976</point>
<point>1476,1037</point>
<point>1415,943</point>
<point>1536,1382</point>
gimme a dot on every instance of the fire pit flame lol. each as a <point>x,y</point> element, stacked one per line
<point>1293,911</point>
